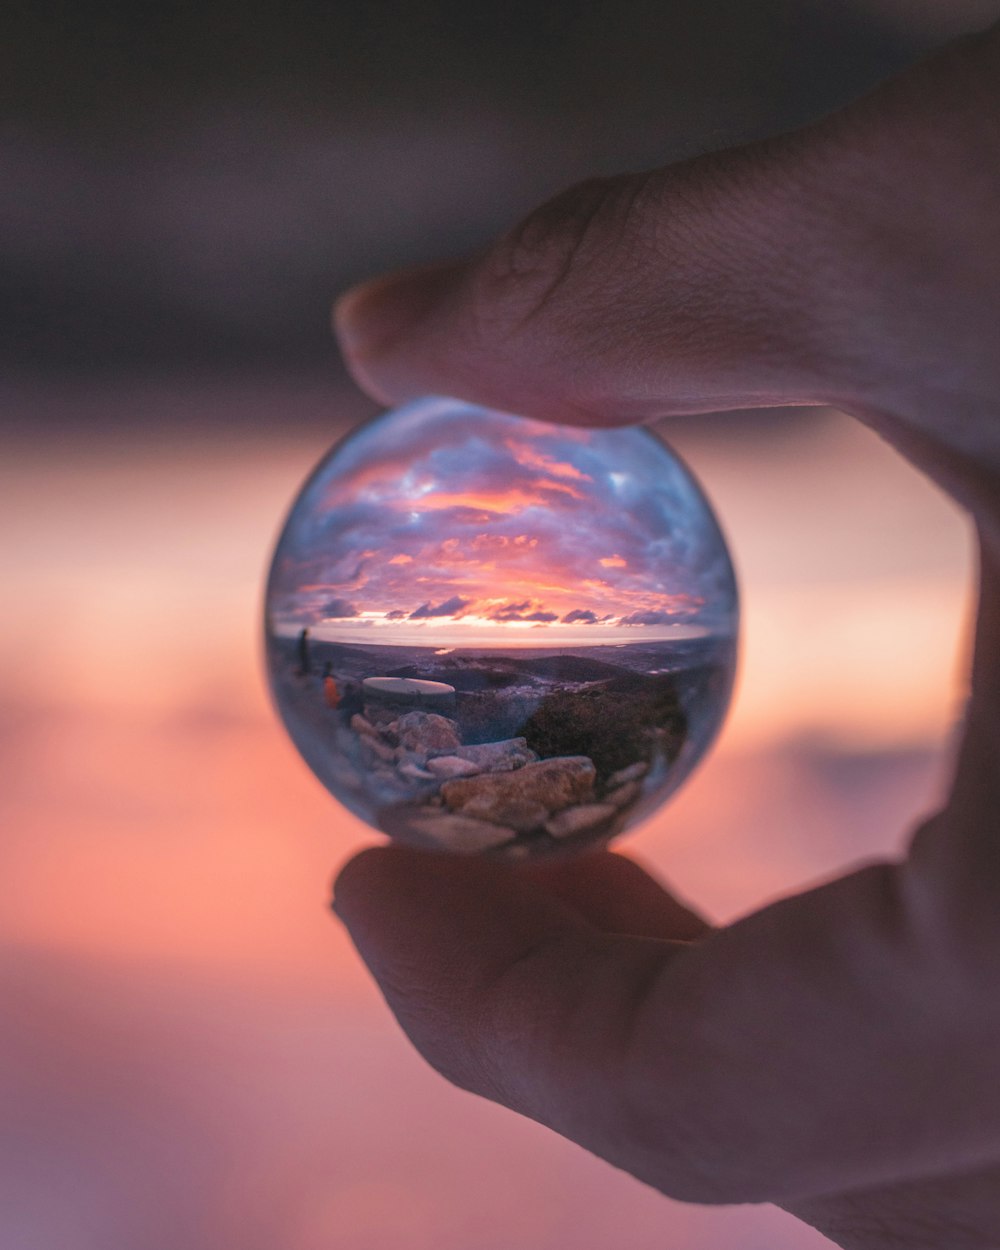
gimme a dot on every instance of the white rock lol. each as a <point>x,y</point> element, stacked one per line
<point>407,687</point>
<point>499,757</point>
<point>579,819</point>
<point>361,725</point>
<point>452,766</point>
<point>428,732</point>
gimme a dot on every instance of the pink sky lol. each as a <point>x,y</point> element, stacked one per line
<point>456,523</point>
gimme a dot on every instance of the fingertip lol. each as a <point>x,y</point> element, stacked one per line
<point>373,319</point>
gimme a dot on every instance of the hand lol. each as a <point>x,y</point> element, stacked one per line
<point>838,1052</point>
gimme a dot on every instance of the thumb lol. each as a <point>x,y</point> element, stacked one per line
<point>843,263</point>
<point>620,300</point>
<point>836,1040</point>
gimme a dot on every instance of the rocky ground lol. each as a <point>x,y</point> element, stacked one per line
<point>536,751</point>
<point>485,796</point>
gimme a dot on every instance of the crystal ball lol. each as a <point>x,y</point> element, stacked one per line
<point>493,635</point>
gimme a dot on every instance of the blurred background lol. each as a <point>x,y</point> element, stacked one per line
<point>190,1052</point>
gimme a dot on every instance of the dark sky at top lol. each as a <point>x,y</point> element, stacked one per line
<point>186,186</point>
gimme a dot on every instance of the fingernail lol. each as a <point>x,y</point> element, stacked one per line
<point>370,317</point>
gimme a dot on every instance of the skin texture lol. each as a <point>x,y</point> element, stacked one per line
<point>837,1052</point>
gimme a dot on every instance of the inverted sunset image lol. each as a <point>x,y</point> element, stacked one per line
<point>465,524</point>
<point>493,634</point>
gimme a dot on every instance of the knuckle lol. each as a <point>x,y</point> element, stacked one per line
<point>563,248</point>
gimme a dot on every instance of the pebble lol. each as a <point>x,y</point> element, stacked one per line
<point>415,772</point>
<point>499,757</point>
<point>624,795</point>
<point>459,833</point>
<point>427,732</point>
<point>579,819</point>
<point>634,772</point>
<point>452,766</point>
<point>519,814</point>
<point>378,748</point>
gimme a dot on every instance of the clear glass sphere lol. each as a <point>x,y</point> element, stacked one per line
<point>487,634</point>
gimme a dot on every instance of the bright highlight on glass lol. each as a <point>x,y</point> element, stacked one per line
<point>490,634</point>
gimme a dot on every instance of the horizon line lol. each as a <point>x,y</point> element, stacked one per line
<point>503,637</point>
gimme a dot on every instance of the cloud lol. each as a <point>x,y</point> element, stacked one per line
<point>648,618</point>
<point>510,611</point>
<point>337,609</point>
<point>511,520</point>
<point>448,608</point>
<point>522,612</point>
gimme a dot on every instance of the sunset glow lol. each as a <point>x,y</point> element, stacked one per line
<point>465,524</point>
<point>167,855</point>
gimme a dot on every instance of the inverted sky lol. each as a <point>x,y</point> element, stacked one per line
<point>446,521</point>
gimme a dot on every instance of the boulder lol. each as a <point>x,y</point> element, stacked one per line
<point>499,757</point>
<point>426,732</point>
<point>458,833</point>
<point>447,766</point>
<point>513,798</point>
<point>579,819</point>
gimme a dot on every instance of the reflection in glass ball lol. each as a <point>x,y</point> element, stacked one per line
<point>490,634</point>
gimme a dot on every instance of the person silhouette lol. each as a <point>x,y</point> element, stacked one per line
<point>302,651</point>
<point>838,1052</point>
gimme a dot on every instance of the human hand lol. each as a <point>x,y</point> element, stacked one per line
<point>837,1052</point>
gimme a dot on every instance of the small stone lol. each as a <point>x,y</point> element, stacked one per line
<point>510,798</point>
<point>361,725</point>
<point>499,757</point>
<point>634,772</point>
<point>378,748</point>
<point>379,716</point>
<point>414,772</point>
<point>427,732</point>
<point>624,795</point>
<point>459,833</point>
<point>451,766</point>
<point>410,757</point>
<point>579,819</point>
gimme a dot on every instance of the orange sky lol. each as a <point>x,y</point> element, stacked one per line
<point>450,524</point>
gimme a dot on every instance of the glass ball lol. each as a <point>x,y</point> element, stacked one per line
<point>488,634</point>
